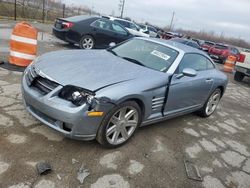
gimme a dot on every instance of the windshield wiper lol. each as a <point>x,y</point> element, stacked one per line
<point>111,51</point>
<point>133,61</point>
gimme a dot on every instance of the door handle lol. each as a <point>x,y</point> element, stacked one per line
<point>209,80</point>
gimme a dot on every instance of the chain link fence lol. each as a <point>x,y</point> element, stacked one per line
<point>40,10</point>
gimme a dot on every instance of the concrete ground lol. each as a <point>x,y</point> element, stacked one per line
<point>219,146</point>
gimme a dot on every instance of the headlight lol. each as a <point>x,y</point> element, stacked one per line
<point>78,96</point>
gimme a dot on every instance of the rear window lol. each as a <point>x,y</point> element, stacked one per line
<point>222,47</point>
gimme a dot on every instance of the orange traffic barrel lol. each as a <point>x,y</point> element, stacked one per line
<point>23,44</point>
<point>230,63</point>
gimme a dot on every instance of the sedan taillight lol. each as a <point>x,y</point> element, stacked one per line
<point>67,25</point>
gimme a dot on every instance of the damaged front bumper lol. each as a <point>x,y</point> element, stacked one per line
<point>61,115</point>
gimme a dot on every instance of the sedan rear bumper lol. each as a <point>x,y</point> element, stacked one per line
<point>59,114</point>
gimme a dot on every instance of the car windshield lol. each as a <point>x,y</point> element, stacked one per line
<point>146,53</point>
<point>179,40</point>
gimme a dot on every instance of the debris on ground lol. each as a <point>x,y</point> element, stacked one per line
<point>74,161</point>
<point>192,171</point>
<point>59,177</point>
<point>82,174</point>
<point>43,168</point>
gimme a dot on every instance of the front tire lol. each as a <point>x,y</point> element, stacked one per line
<point>210,106</point>
<point>119,125</point>
<point>87,42</point>
<point>238,76</point>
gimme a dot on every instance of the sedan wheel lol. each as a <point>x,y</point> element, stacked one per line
<point>87,42</point>
<point>211,104</point>
<point>119,125</point>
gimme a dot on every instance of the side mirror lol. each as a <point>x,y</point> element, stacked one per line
<point>112,44</point>
<point>187,72</point>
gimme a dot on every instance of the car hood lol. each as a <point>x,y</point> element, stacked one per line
<point>91,69</point>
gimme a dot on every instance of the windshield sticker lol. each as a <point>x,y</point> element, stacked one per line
<point>160,55</point>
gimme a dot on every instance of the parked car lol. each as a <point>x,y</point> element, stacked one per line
<point>200,42</point>
<point>130,26</point>
<point>242,69</point>
<point>187,42</point>
<point>220,52</point>
<point>207,45</point>
<point>90,32</point>
<point>107,94</point>
<point>150,30</point>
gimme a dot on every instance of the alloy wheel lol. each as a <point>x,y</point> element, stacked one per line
<point>122,125</point>
<point>213,102</point>
<point>87,43</point>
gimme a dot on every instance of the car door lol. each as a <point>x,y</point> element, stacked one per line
<point>190,93</point>
<point>103,33</point>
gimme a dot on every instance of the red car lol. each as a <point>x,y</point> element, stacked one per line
<point>207,45</point>
<point>220,52</point>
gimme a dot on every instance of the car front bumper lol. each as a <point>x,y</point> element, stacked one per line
<point>59,114</point>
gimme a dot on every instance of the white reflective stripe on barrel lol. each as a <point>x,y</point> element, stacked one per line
<point>22,55</point>
<point>23,39</point>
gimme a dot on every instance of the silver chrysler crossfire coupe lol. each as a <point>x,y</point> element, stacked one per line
<point>107,94</point>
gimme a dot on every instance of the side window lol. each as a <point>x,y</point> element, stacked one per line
<point>118,29</point>
<point>123,23</point>
<point>210,65</point>
<point>102,24</point>
<point>193,61</point>
<point>133,26</point>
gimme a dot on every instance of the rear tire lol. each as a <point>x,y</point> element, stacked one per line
<point>87,42</point>
<point>210,106</point>
<point>119,125</point>
<point>238,76</point>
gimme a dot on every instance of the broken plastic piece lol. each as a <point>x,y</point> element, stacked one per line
<point>82,174</point>
<point>192,171</point>
<point>43,168</point>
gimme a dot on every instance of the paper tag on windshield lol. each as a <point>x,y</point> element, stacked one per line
<point>160,55</point>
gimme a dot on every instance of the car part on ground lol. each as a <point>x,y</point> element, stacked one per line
<point>242,69</point>
<point>106,94</point>
<point>90,31</point>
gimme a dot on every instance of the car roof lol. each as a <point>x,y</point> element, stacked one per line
<point>177,45</point>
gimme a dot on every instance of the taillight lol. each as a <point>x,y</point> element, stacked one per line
<point>67,25</point>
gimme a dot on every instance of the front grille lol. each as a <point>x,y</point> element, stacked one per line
<point>41,84</point>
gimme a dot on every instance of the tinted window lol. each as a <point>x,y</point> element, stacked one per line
<point>196,62</point>
<point>123,23</point>
<point>133,26</point>
<point>193,44</point>
<point>102,24</point>
<point>118,29</point>
<point>110,26</point>
<point>147,53</point>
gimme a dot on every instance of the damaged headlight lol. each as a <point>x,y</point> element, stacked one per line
<point>78,96</point>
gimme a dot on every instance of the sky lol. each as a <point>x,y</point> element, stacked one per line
<point>227,17</point>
